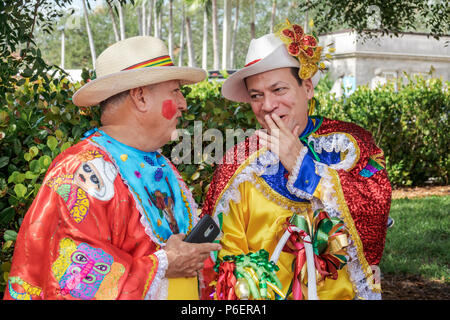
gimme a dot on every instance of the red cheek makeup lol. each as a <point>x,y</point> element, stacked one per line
<point>169,109</point>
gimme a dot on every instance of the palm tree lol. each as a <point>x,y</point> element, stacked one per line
<point>226,34</point>
<point>206,13</point>
<point>252,19</point>
<point>121,21</point>
<point>171,28</point>
<point>151,4</point>
<point>183,20</point>
<point>90,38</point>
<point>144,18</point>
<point>235,28</point>
<point>272,18</point>
<point>190,43</point>
<point>113,21</point>
<point>158,18</point>
<point>215,27</point>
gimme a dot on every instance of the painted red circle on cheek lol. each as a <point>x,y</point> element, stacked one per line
<point>168,109</point>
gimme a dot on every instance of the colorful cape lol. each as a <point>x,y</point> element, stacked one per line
<point>342,160</point>
<point>86,236</point>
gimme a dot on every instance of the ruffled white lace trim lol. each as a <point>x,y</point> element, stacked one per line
<point>294,175</point>
<point>354,266</point>
<point>159,288</point>
<point>337,142</point>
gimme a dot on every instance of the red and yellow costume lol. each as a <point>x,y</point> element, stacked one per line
<point>339,173</point>
<point>86,237</point>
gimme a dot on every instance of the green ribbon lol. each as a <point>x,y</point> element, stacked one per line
<point>305,138</point>
<point>264,269</point>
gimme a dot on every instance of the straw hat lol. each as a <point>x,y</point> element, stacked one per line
<point>264,54</point>
<point>131,63</point>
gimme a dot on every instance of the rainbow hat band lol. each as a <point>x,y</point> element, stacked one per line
<point>161,61</point>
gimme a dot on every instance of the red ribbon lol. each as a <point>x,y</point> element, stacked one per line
<point>299,251</point>
<point>226,282</point>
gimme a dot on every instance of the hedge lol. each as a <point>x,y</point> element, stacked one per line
<point>410,124</point>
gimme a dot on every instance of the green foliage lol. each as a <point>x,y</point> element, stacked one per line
<point>410,125</point>
<point>418,242</point>
<point>370,18</point>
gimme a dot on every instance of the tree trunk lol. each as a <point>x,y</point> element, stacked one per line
<point>183,21</point>
<point>272,18</point>
<point>205,39</point>
<point>63,48</point>
<point>226,34</point>
<point>151,5</point>
<point>144,19</point>
<point>171,28</point>
<point>190,44</point>
<point>215,35</point>
<point>157,15</point>
<point>233,40</point>
<point>121,22</point>
<point>113,22</point>
<point>88,30</point>
<point>252,19</point>
<point>139,20</point>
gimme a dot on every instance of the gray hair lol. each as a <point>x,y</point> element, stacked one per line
<point>109,104</point>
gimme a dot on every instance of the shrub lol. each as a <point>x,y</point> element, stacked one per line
<point>410,124</point>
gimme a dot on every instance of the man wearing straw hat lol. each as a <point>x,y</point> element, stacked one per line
<point>304,212</point>
<point>110,217</point>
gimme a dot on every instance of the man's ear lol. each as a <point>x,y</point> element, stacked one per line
<point>309,88</point>
<point>138,97</point>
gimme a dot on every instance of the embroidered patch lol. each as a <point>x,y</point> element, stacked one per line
<point>375,164</point>
<point>86,272</point>
<point>23,291</point>
<point>96,177</point>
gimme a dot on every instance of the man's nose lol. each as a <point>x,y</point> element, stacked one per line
<point>182,104</point>
<point>269,104</point>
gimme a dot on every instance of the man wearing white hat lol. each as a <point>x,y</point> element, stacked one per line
<point>313,195</point>
<point>110,217</point>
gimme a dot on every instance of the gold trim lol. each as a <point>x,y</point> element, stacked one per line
<point>151,274</point>
<point>279,198</point>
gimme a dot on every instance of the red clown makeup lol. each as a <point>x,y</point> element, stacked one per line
<point>169,109</point>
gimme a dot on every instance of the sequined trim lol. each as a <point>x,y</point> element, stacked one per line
<point>334,203</point>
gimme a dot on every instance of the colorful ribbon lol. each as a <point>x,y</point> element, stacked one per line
<point>329,240</point>
<point>255,268</point>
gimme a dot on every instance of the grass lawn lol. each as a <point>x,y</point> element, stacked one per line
<point>419,242</point>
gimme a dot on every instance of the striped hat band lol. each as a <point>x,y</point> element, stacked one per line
<point>161,61</point>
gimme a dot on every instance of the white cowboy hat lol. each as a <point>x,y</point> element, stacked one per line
<point>264,54</point>
<point>131,63</point>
